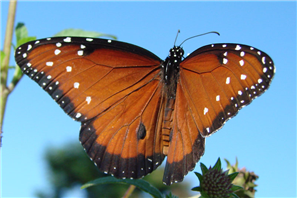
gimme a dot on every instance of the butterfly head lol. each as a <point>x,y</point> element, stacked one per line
<point>176,52</point>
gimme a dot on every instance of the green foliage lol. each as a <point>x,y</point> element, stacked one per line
<point>22,37</point>
<point>245,179</point>
<point>141,184</point>
<point>170,195</point>
<point>214,183</point>
<point>70,167</point>
<point>21,34</point>
<point>83,33</point>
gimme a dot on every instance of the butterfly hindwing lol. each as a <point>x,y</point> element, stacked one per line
<point>125,140</point>
<point>186,143</point>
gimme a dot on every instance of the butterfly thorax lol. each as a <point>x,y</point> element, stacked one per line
<point>170,76</point>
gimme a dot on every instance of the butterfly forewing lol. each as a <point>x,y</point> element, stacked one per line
<point>114,88</point>
<point>83,83</point>
<point>228,77</point>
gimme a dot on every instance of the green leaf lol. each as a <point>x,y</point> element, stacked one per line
<point>141,184</point>
<point>200,177</point>
<point>249,194</point>
<point>233,195</point>
<point>228,164</point>
<point>204,195</point>
<point>170,195</point>
<point>218,165</point>
<point>235,188</point>
<point>232,176</point>
<point>203,168</point>
<point>25,40</point>
<point>197,189</point>
<point>21,31</point>
<point>236,164</point>
<point>17,75</point>
<point>83,33</point>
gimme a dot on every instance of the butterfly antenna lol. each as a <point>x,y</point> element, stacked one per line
<point>200,35</point>
<point>178,31</point>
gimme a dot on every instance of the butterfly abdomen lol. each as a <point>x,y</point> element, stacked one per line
<point>167,124</point>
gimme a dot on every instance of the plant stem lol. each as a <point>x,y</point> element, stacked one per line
<point>4,65</point>
<point>129,191</point>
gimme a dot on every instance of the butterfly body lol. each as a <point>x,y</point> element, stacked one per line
<point>135,108</point>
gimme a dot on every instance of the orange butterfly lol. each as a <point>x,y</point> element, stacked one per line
<point>135,108</point>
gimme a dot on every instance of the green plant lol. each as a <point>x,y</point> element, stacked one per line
<point>214,183</point>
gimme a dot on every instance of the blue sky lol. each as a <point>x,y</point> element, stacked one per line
<point>262,135</point>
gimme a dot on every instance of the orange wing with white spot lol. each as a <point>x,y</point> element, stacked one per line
<point>215,82</point>
<point>113,88</point>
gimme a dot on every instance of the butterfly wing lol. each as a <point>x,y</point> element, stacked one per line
<point>215,82</point>
<point>113,88</point>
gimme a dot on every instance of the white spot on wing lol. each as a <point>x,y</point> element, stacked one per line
<point>76,85</point>
<point>228,80</point>
<point>29,47</point>
<point>241,62</point>
<point>260,80</point>
<point>205,110</point>
<point>24,55</point>
<point>264,69</point>
<point>239,92</point>
<point>57,51</point>
<point>263,60</point>
<point>58,44</point>
<point>80,52</point>
<point>68,68</point>
<point>67,39</point>
<point>49,63</point>
<point>243,77</point>
<point>78,115</point>
<point>225,60</point>
<point>88,99</point>
<point>82,46</point>
<point>218,98</point>
<point>89,39</point>
<point>242,53</point>
<point>224,45</point>
<point>237,47</point>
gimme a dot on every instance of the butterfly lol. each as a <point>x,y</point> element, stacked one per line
<point>136,108</point>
